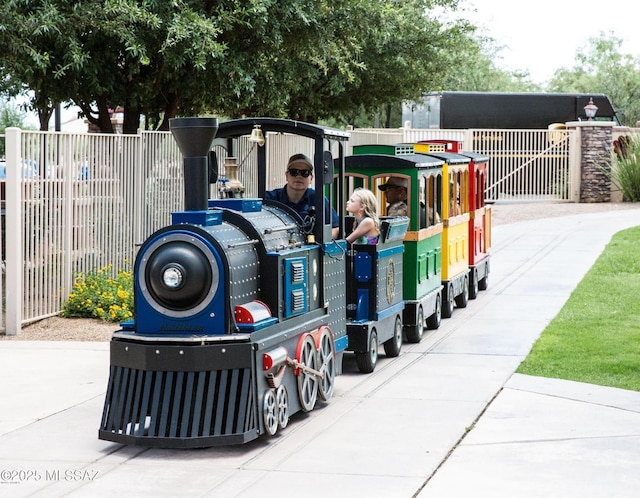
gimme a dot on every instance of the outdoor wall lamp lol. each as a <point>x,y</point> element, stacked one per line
<point>590,109</point>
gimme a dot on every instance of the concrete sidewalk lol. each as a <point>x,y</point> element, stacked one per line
<point>548,437</point>
<point>446,418</point>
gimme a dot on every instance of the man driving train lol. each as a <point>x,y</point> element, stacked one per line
<point>297,193</point>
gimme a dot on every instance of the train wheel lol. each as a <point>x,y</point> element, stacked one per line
<point>433,322</point>
<point>270,412</point>
<point>447,305</point>
<point>282,404</point>
<point>473,284</point>
<point>463,299</point>
<point>392,346</point>
<point>414,332</point>
<point>326,364</point>
<point>484,282</point>
<point>367,361</point>
<point>307,382</point>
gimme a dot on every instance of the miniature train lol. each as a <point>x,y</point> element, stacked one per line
<point>244,310</point>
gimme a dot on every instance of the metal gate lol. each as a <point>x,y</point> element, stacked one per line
<point>530,165</point>
<point>524,165</point>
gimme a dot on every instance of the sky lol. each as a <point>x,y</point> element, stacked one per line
<point>544,35</point>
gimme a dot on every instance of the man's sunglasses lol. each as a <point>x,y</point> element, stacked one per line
<point>295,172</point>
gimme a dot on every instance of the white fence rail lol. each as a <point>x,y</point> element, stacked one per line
<point>81,202</point>
<point>531,165</point>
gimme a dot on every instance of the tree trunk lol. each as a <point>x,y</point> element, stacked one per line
<point>170,111</point>
<point>44,115</point>
<point>131,122</point>
<point>387,122</point>
<point>104,117</point>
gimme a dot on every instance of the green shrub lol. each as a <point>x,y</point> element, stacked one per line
<point>625,167</point>
<point>97,295</point>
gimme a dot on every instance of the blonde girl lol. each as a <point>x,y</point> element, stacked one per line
<point>363,205</point>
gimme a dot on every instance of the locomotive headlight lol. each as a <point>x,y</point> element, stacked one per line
<point>172,276</point>
<point>178,275</point>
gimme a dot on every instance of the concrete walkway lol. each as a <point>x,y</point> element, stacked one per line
<point>447,418</point>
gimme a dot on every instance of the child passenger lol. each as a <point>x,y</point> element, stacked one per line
<point>364,207</point>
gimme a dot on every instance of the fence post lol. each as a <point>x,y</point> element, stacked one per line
<point>467,143</point>
<point>595,165</point>
<point>67,214</point>
<point>140,175</point>
<point>15,263</point>
<point>575,161</point>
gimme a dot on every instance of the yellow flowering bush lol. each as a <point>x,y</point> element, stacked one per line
<point>97,295</point>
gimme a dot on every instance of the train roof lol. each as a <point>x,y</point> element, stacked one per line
<point>239,127</point>
<point>476,157</point>
<point>450,157</point>
<point>398,149</point>
<point>385,161</point>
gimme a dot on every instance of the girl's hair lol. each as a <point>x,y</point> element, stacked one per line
<point>369,203</point>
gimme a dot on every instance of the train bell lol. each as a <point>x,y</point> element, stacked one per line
<point>257,136</point>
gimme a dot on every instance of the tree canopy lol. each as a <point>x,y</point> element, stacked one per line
<point>477,71</point>
<point>10,115</point>
<point>303,59</point>
<point>600,67</point>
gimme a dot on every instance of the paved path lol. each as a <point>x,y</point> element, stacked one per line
<point>446,418</point>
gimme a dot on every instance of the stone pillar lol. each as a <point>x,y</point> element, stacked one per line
<point>595,164</point>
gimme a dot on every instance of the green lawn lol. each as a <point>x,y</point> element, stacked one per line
<point>596,336</point>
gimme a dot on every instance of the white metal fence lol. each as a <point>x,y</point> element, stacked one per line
<point>531,165</point>
<point>80,202</point>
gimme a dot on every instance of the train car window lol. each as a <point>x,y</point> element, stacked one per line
<point>433,199</point>
<point>465,196</point>
<point>355,181</point>
<point>454,194</point>
<point>459,192</point>
<point>395,191</point>
<point>437,199</point>
<point>425,202</point>
<point>352,182</point>
<point>480,183</point>
<point>429,204</point>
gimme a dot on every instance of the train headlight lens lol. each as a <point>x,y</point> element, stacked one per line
<point>172,277</point>
<point>178,274</point>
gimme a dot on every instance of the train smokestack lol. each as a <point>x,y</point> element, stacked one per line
<point>195,137</point>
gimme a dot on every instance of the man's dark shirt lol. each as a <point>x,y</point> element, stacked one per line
<point>306,204</point>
